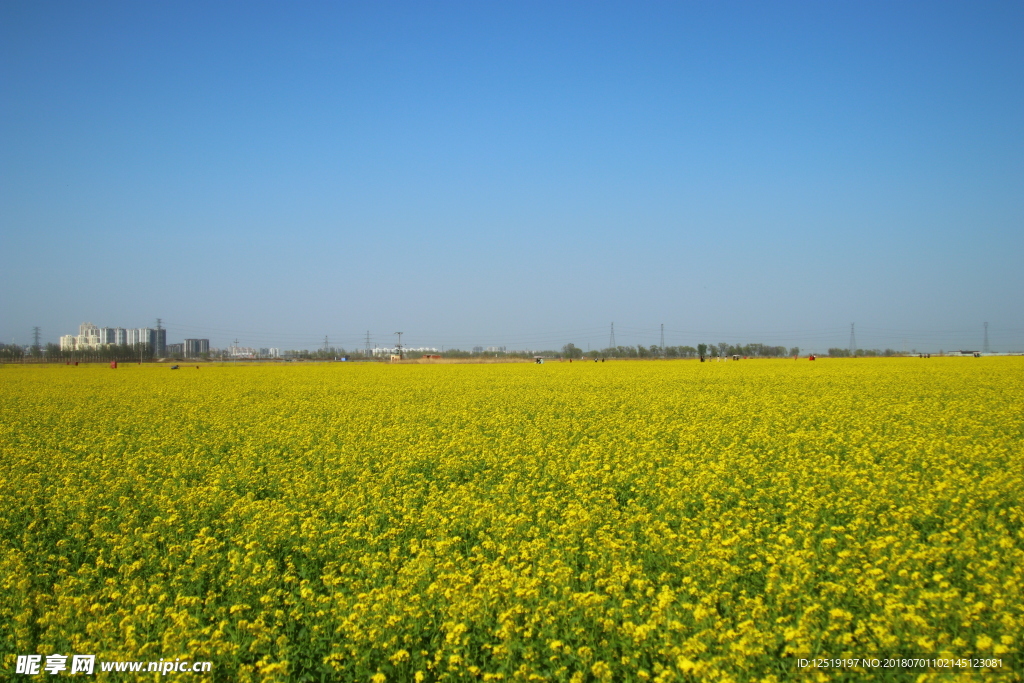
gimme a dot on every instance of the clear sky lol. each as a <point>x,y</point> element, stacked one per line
<point>515,173</point>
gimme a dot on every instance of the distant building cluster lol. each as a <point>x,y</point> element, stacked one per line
<point>249,352</point>
<point>92,337</point>
<point>394,350</point>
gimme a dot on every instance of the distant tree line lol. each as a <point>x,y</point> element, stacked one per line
<point>52,353</point>
<point>870,353</point>
<point>707,350</point>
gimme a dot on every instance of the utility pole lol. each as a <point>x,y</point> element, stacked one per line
<point>399,346</point>
<point>984,347</point>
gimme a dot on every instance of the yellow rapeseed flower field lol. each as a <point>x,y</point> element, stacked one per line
<point>565,522</point>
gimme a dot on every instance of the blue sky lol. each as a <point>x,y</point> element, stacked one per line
<point>517,174</point>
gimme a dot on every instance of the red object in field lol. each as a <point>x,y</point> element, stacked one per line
<point>811,357</point>
<point>113,364</point>
<point>76,363</point>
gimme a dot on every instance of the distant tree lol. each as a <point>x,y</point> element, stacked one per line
<point>702,350</point>
<point>570,351</point>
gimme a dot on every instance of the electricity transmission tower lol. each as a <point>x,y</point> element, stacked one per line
<point>366,352</point>
<point>35,337</point>
<point>398,347</point>
<point>326,345</point>
<point>663,340</point>
<point>984,347</point>
<point>853,342</point>
<point>611,338</point>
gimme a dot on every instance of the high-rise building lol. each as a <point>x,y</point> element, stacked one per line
<point>154,339</point>
<point>159,342</point>
<point>134,338</point>
<point>92,337</point>
<point>195,348</point>
<point>88,337</point>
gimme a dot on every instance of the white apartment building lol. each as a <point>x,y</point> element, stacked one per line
<point>92,337</point>
<point>195,348</point>
<point>88,337</point>
<point>137,335</point>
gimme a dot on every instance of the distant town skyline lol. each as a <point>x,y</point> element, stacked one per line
<point>593,338</point>
<point>519,174</point>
